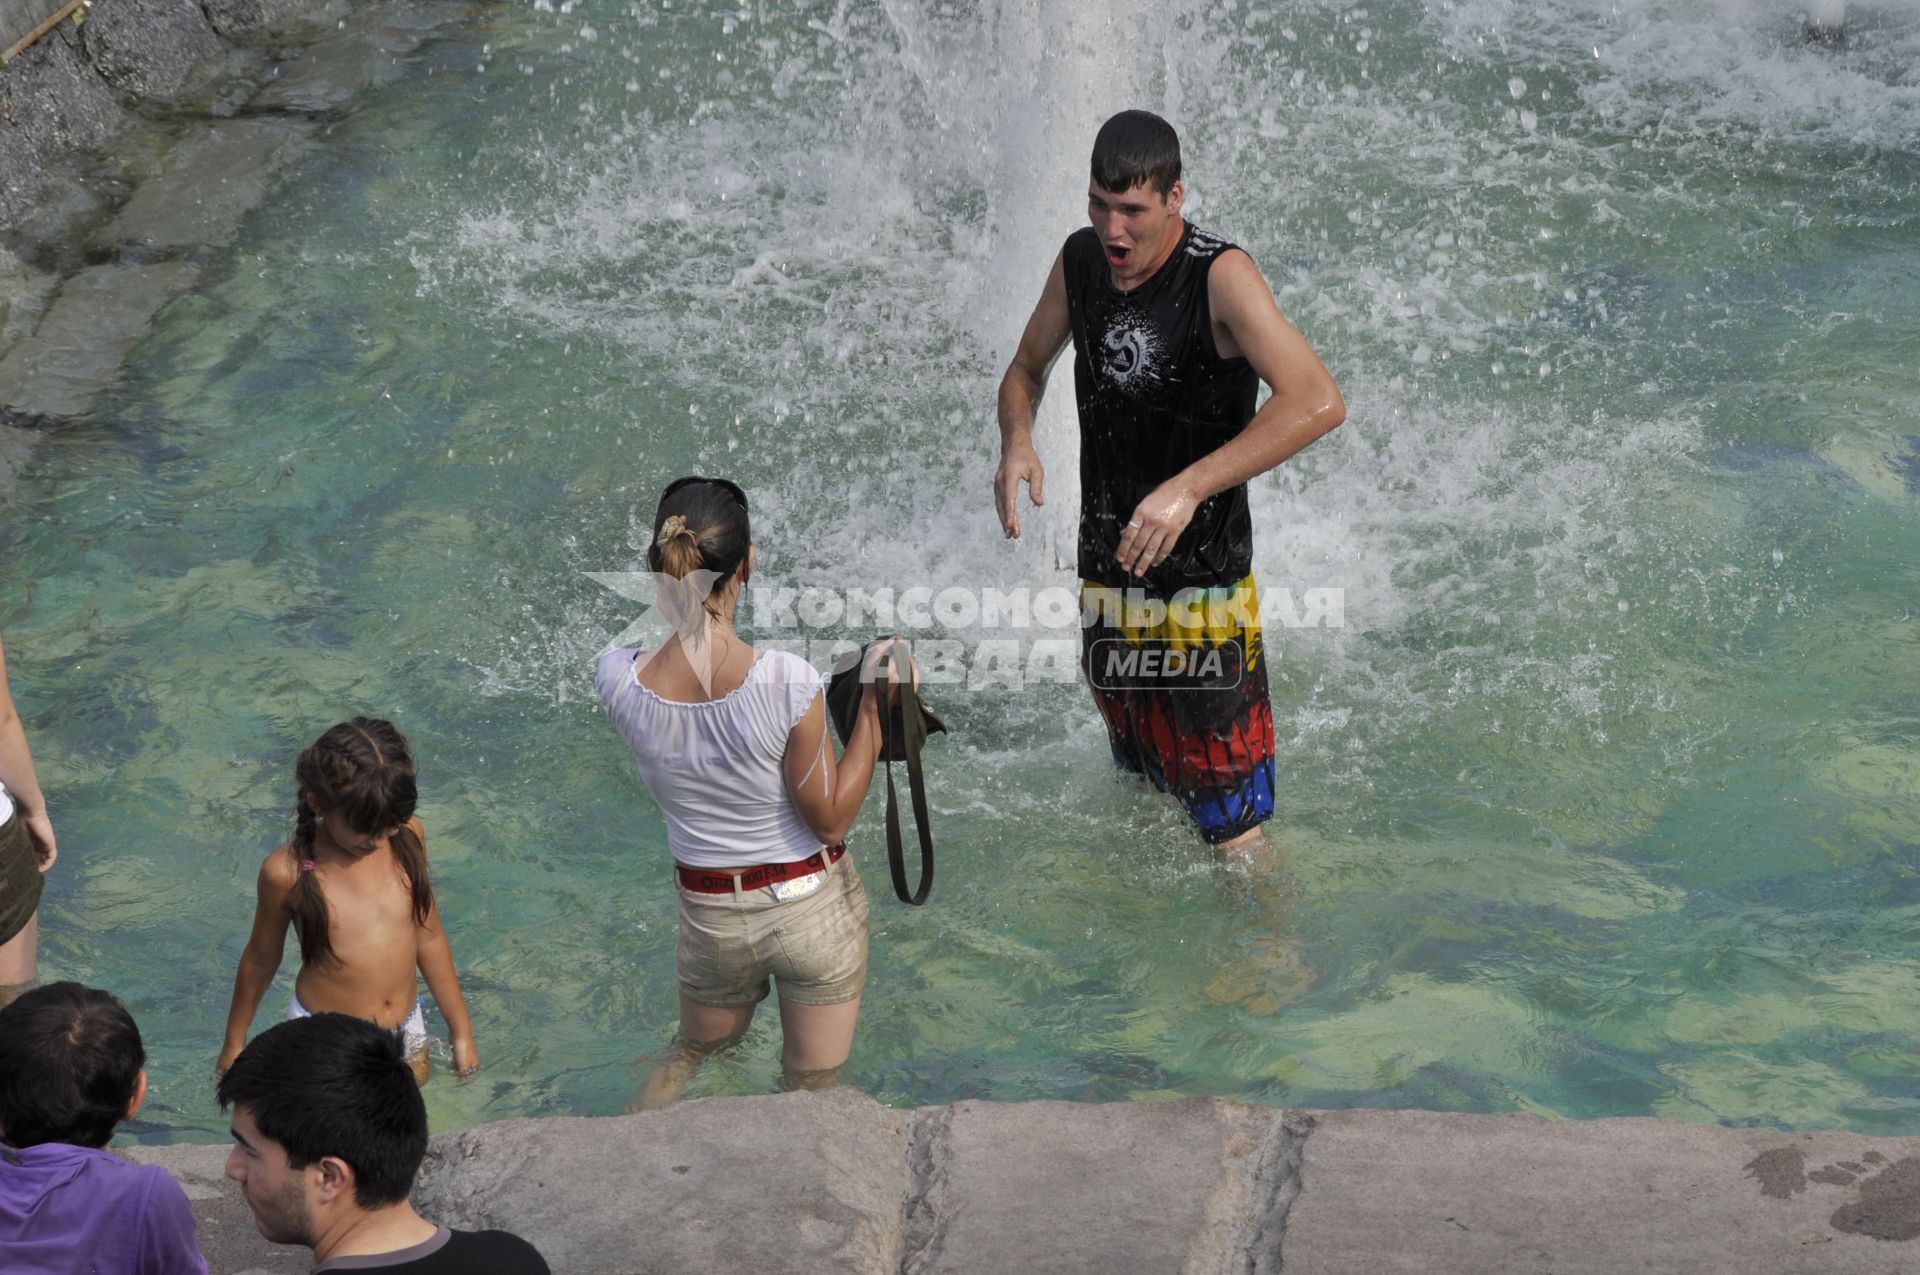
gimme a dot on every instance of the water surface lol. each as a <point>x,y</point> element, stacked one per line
<point>1601,801</point>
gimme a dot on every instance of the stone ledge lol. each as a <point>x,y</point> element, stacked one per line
<point>835,1182</point>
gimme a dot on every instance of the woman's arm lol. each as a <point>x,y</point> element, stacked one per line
<point>828,794</point>
<point>260,961</point>
<point>16,772</point>
<point>435,956</point>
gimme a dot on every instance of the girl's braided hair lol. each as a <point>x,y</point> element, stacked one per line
<point>364,770</point>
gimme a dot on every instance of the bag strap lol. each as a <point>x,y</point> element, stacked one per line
<point>913,734</point>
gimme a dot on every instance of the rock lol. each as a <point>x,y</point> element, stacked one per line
<point>207,185</point>
<point>791,1184</point>
<point>222,1222</point>
<point>834,1182</point>
<point>52,105</point>
<point>150,48</point>
<point>237,19</point>
<point>78,346</point>
<point>325,77</point>
<point>16,449</point>
<point>1113,1188</point>
<point>1385,1191</point>
<point>24,293</point>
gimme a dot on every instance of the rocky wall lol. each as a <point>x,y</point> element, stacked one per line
<point>834,1183</point>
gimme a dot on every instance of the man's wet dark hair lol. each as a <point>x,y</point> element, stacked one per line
<point>1135,147</point>
<point>70,1059</point>
<point>335,1085</point>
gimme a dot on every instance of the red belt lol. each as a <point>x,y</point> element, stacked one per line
<point>707,881</point>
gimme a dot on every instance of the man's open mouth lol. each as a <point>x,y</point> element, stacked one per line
<point>1117,255</point>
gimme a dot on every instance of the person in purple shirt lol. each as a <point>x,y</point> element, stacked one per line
<point>71,1068</point>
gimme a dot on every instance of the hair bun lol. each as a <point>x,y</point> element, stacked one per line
<point>673,527</point>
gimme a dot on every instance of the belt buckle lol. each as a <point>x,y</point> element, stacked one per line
<point>799,888</point>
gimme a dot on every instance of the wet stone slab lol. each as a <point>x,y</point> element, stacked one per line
<point>834,1182</point>
<point>1421,1191</point>
<point>237,19</point>
<point>16,449</point>
<point>1104,1188</point>
<point>24,294</point>
<point>206,186</point>
<point>335,69</point>
<point>78,345</point>
<point>325,77</point>
<point>788,1184</point>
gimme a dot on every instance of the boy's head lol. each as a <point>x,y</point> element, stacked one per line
<point>70,1066</point>
<point>1136,148</point>
<point>327,1118</point>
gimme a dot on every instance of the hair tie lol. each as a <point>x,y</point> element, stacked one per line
<point>306,865</point>
<point>675,526</point>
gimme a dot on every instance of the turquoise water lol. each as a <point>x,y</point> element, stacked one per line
<point>1602,799</point>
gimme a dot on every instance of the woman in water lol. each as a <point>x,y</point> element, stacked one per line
<point>353,884</point>
<point>26,850</point>
<point>734,746</point>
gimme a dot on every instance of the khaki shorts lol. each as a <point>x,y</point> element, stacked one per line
<point>815,946</point>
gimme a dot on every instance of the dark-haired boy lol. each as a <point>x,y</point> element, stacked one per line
<point>329,1130</point>
<point>72,1066</point>
<point>1172,330</point>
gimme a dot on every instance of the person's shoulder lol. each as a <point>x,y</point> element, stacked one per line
<point>1080,245</point>
<point>278,871</point>
<point>784,667</point>
<point>494,1253</point>
<point>133,1184</point>
<point>612,665</point>
<point>614,659</point>
<point>1204,245</point>
<point>162,1187</point>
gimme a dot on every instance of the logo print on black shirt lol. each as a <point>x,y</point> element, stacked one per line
<point>1131,352</point>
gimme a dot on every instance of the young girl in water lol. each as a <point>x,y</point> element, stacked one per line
<point>353,883</point>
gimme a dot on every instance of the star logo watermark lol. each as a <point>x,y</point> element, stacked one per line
<point>670,607</point>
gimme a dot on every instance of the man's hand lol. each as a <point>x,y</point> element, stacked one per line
<point>466,1059</point>
<point>1018,463</point>
<point>225,1060</point>
<point>1157,523</point>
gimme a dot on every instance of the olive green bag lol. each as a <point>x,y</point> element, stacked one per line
<point>903,732</point>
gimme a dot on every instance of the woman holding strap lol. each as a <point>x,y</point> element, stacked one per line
<point>734,746</point>
<point>26,850</point>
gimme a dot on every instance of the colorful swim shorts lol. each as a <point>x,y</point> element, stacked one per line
<point>1182,685</point>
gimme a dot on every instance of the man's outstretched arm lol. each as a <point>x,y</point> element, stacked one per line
<point>1305,404</point>
<point>1020,391</point>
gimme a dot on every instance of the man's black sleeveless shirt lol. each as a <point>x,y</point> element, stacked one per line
<point>1154,396</point>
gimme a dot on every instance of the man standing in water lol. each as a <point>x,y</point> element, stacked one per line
<point>1172,331</point>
